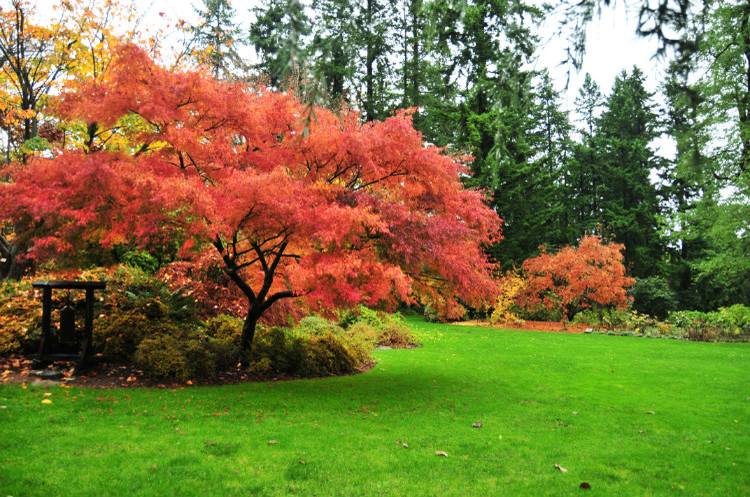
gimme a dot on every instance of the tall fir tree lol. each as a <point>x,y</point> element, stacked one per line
<point>278,35</point>
<point>628,200</point>
<point>216,38</point>
<point>582,170</point>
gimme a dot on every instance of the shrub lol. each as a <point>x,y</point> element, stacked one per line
<point>20,318</point>
<point>184,354</point>
<point>630,321</point>
<point>119,335</point>
<point>163,357</point>
<point>315,347</point>
<point>141,260</point>
<point>576,278</point>
<point>727,323</point>
<point>317,326</point>
<point>505,310</point>
<point>653,296</point>
<point>386,330</point>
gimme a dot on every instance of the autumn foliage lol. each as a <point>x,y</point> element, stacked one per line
<point>288,201</point>
<point>575,278</point>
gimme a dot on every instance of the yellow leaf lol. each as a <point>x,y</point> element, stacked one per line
<point>46,401</point>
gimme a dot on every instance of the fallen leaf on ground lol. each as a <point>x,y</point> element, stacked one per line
<point>273,442</point>
<point>585,485</point>
<point>441,453</point>
<point>562,469</point>
<point>47,394</point>
<point>478,424</point>
<point>404,445</point>
<point>46,401</point>
<point>650,412</point>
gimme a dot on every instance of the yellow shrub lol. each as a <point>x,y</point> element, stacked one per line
<point>510,286</point>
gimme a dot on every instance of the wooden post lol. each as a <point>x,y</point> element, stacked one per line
<point>88,327</point>
<point>46,321</point>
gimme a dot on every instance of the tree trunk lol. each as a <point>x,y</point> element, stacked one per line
<point>248,334</point>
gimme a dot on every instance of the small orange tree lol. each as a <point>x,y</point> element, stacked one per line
<point>575,278</point>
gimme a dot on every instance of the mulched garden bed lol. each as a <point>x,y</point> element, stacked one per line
<point>110,375</point>
<point>548,326</point>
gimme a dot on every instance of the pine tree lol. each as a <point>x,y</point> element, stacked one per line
<point>278,37</point>
<point>216,37</point>
<point>628,199</point>
<point>583,172</point>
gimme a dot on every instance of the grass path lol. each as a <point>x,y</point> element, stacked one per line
<point>633,417</point>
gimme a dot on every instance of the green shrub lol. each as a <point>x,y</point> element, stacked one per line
<point>385,330</point>
<point>731,323</point>
<point>315,347</point>
<point>326,354</point>
<point>184,354</point>
<point>653,296</point>
<point>163,357</point>
<point>141,260</point>
<point>317,326</point>
<point>608,319</point>
<point>118,335</point>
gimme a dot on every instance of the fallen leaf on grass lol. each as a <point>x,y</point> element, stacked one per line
<point>650,412</point>
<point>404,445</point>
<point>47,394</point>
<point>441,453</point>
<point>561,468</point>
<point>585,485</point>
<point>273,442</point>
<point>46,401</point>
<point>478,424</point>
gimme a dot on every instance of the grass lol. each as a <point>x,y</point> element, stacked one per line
<point>631,416</point>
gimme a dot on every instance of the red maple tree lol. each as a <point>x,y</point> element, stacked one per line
<point>589,275</point>
<point>292,201</point>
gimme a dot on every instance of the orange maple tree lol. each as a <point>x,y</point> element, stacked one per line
<point>592,274</point>
<point>325,210</point>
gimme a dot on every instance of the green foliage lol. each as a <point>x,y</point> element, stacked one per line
<point>653,296</point>
<point>119,335</point>
<point>141,260</point>
<point>315,347</point>
<point>383,329</point>
<point>728,323</point>
<point>627,321</point>
<point>163,357</point>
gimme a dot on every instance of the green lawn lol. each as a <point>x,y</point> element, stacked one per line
<point>631,416</point>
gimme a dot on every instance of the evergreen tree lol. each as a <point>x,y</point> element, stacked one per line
<point>216,37</point>
<point>628,199</point>
<point>278,36</point>
<point>583,172</point>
